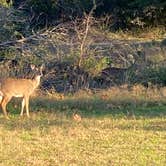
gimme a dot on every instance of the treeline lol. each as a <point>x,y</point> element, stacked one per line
<point>122,13</point>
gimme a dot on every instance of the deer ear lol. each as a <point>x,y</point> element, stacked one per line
<point>32,66</point>
<point>42,67</point>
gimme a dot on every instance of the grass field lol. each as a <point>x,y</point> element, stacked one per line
<point>110,131</point>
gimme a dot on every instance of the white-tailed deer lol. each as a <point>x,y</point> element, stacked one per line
<point>13,87</point>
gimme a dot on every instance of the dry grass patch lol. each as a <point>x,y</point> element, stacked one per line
<point>146,34</point>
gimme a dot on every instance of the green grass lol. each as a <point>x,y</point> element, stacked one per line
<point>111,132</point>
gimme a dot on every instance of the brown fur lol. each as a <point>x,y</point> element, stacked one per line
<point>12,87</point>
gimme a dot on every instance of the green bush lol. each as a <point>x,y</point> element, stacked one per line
<point>152,75</point>
<point>124,13</point>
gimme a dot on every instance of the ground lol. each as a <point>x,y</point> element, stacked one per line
<point>108,132</point>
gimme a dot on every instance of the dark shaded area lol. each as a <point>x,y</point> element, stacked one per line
<point>124,13</point>
<point>131,63</point>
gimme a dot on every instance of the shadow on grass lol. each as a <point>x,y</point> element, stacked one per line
<point>29,124</point>
<point>158,125</point>
<point>98,108</point>
<point>50,112</point>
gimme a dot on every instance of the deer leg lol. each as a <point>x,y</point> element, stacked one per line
<point>22,107</point>
<point>5,100</point>
<point>27,105</point>
<point>1,99</point>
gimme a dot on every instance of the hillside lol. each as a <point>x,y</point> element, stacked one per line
<point>87,52</point>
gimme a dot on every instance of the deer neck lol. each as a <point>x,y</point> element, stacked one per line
<point>36,81</point>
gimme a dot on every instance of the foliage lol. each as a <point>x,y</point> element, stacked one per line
<point>124,13</point>
<point>156,75</point>
<point>13,24</point>
<point>134,14</point>
<point>3,3</point>
<point>15,64</point>
<point>94,66</point>
<point>70,44</point>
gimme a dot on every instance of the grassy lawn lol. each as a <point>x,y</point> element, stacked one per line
<point>110,132</point>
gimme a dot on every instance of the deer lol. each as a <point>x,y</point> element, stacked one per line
<point>19,87</point>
